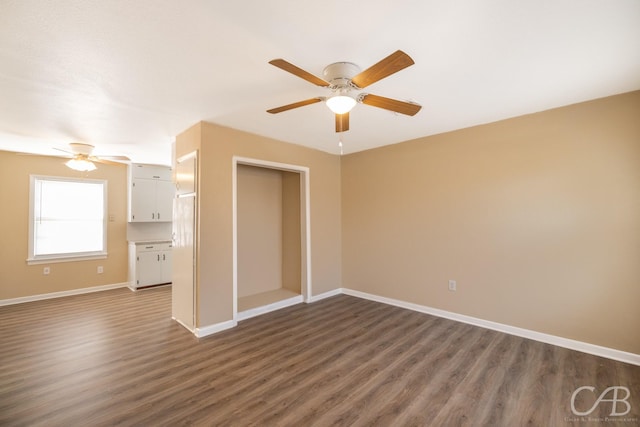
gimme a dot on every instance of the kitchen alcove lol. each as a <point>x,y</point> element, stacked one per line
<point>271,236</point>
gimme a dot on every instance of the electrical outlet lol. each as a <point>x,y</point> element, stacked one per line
<point>452,285</point>
<point>46,270</point>
<point>100,269</point>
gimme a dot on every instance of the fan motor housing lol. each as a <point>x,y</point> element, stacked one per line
<point>81,148</point>
<point>339,74</point>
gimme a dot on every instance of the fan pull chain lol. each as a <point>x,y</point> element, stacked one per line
<point>340,144</point>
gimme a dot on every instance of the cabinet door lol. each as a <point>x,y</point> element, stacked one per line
<point>143,200</point>
<point>165,258</point>
<point>165,192</point>
<point>148,269</point>
<point>150,172</point>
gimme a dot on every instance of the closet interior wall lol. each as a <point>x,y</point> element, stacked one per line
<point>269,237</point>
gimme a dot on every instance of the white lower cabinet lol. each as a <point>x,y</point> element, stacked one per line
<point>149,264</point>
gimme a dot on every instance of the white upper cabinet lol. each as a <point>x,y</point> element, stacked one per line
<point>151,193</point>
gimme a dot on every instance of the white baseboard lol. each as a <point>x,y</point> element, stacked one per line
<point>60,294</point>
<point>144,288</point>
<point>324,295</point>
<point>247,314</point>
<point>584,347</point>
<point>212,329</point>
<point>596,350</point>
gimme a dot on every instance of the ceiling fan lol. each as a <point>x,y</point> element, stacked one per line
<point>82,159</point>
<point>345,80</point>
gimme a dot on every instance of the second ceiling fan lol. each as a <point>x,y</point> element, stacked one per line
<point>342,78</point>
<point>82,158</point>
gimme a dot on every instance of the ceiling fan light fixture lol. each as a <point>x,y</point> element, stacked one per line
<point>341,104</point>
<point>81,165</point>
<point>342,78</point>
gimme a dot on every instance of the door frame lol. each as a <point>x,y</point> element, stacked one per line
<point>305,223</point>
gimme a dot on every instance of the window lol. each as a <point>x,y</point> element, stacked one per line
<point>67,219</point>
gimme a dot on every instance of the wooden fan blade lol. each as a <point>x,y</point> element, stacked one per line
<point>294,105</point>
<point>69,153</point>
<point>115,158</point>
<point>342,122</point>
<point>401,107</point>
<point>104,161</point>
<point>289,67</point>
<point>391,64</point>
<point>22,153</point>
<point>109,160</point>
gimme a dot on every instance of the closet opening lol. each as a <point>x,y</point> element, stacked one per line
<point>271,236</point>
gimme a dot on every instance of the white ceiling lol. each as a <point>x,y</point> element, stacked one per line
<point>128,76</point>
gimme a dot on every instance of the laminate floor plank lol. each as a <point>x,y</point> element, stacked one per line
<point>479,388</point>
<point>337,356</point>
<point>116,358</point>
<point>355,378</point>
<point>394,394</point>
<point>248,385</point>
<point>255,356</point>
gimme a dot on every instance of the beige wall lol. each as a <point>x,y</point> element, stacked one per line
<point>217,145</point>
<point>536,217</point>
<point>17,279</point>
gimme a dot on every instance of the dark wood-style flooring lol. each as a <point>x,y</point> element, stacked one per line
<point>117,358</point>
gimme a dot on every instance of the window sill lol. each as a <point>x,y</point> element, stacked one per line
<point>65,258</point>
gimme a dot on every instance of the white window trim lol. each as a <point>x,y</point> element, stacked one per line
<point>82,256</point>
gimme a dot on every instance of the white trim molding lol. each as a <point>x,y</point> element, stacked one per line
<point>596,350</point>
<point>305,232</point>
<point>36,183</point>
<point>324,295</point>
<point>253,312</point>
<point>60,294</point>
<point>212,329</point>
